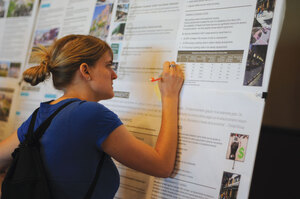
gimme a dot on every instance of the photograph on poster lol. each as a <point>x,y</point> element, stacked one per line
<point>45,37</point>
<point>20,8</point>
<point>237,147</point>
<point>118,32</point>
<point>101,21</point>
<point>260,36</point>
<point>122,12</point>
<point>116,47</point>
<point>262,22</point>
<point>4,66</point>
<point>5,103</point>
<point>123,1</point>
<point>264,13</point>
<point>115,66</point>
<point>2,8</point>
<point>255,65</point>
<point>229,186</point>
<point>14,69</point>
<point>259,41</point>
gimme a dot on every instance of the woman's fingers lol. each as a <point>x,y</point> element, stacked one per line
<point>166,67</point>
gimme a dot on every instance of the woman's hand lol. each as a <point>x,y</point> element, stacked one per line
<point>171,80</point>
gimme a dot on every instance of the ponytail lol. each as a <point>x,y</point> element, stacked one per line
<point>36,74</point>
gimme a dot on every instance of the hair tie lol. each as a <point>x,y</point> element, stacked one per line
<point>45,64</point>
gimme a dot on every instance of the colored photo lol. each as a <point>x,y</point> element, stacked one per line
<point>118,32</point>
<point>20,8</point>
<point>115,47</point>
<point>4,66</point>
<point>123,1</point>
<point>14,70</point>
<point>260,36</point>
<point>2,8</point>
<point>255,65</point>
<point>259,42</point>
<point>101,21</point>
<point>264,13</point>
<point>230,186</point>
<point>5,104</point>
<point>115,66</point>
<point>237,147</point>
<point>122,12</point>
<point>45,37</point>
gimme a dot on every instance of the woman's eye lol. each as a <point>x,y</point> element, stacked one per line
<point>111,65</point>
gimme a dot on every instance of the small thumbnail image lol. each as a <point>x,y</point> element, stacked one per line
<point>123,1</point>
<point>260,35</point>
<point>237,147</point>
<point>122,12</point>
<point>264,13</point>
<point>229,186</point>
<point>4,66</point>
<point>118,32</point>
<point>2,8</point>
<point>115,66</point>
<point>5,104</point>
<point>14,70</point>
<point>101,21</point>
<point>20,8</point>
<point>45,37</point>
<point>115,47</point>
<point>255,65</point>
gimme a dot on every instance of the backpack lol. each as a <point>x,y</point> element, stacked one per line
<point>26,177</point>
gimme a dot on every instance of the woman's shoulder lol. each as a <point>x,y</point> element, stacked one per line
<point>91,106</point>
<point>93,109</point>
<point>94,114</point>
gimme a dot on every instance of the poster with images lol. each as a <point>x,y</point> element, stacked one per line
<point>17,19</point>
<point>101,20</point>
<point>223,49</point>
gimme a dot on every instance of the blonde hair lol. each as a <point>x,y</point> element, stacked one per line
<point>63,59</point>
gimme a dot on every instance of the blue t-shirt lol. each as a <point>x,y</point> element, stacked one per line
<point>71,148</point>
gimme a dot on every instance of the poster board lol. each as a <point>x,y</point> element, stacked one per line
<point>17,19</point>
<point>226,49</point>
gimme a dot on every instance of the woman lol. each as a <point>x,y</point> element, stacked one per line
<point>71,147</point>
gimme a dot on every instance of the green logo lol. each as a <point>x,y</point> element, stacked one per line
<point>241,153</point>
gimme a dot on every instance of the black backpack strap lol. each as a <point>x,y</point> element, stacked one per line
<point>33,118</point>
<point>96,177</point>
<point>30,130</point>
<point>34,136</point>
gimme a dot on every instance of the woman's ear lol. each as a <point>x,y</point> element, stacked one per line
<point>84,70</point>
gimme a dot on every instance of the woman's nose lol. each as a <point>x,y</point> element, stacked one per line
<point>114,74</point>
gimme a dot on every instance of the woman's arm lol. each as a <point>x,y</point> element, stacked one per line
<point>8,146</point>
<point>158,161</point>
